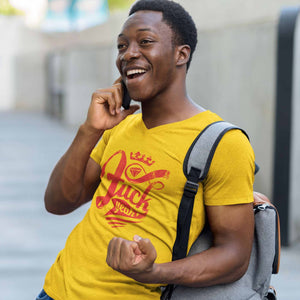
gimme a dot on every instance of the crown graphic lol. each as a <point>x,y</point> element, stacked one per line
<point>142,158</point>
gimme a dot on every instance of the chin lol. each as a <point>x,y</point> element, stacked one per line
<point>138,97</point>
<point>141,92</point>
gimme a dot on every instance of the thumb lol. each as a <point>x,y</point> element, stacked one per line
<point>146,247</point>
<point>132,109</point>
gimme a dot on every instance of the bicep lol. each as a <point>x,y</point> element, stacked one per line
<point>227,259</point>
<point>91,180</point>
<point>232,227</point>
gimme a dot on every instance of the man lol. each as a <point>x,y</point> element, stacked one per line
<point>122,249</point>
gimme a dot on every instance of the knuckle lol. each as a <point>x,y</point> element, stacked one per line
<point>94,95</point>
<point>123,245</point>
<point>98,92</point>
<point>114,240</point>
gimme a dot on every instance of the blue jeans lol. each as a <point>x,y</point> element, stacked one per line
<point>43,296</point>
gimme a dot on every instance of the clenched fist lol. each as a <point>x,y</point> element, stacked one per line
<point>133,258</point>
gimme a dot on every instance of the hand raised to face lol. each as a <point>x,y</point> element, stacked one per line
<point>105,108</point>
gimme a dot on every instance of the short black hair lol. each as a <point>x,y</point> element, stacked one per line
<point>174,15</point>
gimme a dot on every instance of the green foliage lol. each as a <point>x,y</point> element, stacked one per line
<point>119,4</point>
<point>7,9</point>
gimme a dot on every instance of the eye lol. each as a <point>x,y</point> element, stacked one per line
<point>146,42</point>
<point>121,46</point>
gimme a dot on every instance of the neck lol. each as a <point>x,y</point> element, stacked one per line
<point>172,106</point>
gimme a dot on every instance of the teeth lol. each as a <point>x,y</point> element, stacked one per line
<point>136,71</point>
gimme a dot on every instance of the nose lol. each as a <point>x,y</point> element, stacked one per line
<point>132,52</point>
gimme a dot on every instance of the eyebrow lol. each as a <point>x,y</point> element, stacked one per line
<point>141,29</point>
<point>145,29</point>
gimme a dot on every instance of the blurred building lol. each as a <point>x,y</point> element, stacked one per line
<point>233,71</point>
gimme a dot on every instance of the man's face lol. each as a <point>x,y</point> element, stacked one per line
<point>146,58</point>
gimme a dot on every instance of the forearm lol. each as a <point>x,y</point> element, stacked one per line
<point>65,190</point>
<point>226,261</point>
<point>211,267</point>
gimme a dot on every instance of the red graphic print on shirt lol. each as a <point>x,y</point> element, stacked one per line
<point>131,182</point>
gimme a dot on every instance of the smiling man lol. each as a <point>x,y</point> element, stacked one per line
<point>122,249</point>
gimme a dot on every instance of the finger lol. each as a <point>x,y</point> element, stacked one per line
<point>118,94</point>
<point>115,100</point>
<point>136,249</point>
<point>127,255</point>
<point>136,238</point>
<point>106,97</point>
<point>109,253</point>
<point>146,247</point>
<point>118,80</point>
<point>113,253</point>
<point>112,96</point>
<point>132,109</point>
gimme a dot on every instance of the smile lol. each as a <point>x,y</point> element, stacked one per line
<point>135,73</point>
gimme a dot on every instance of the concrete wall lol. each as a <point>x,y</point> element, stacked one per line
<point>215,14</point>
<point>8,30</point>
<point>29,87</point>
<point>228,75</point>
<point>86,70</point>
<point>23,58</point>
<point>233,72</point>
<point>294,211</point>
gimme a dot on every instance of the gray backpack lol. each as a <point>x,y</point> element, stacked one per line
<point>265,254</point>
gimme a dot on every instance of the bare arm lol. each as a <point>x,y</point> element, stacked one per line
<point>226,261</point>
<point>76,176</point>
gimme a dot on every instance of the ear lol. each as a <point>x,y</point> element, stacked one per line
<point>183,55</point>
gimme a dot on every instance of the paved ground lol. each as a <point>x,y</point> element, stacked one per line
<point>30,238</point>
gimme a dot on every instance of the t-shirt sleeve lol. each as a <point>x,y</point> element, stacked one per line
<point>98,151</point>
<point>231,175</point>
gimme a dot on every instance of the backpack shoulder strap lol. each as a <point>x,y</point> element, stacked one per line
<point>195,167</point>
<point>264,260</point>
<point>201,152</point>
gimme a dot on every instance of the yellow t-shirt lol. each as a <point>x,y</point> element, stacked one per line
<point>141,187</point>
